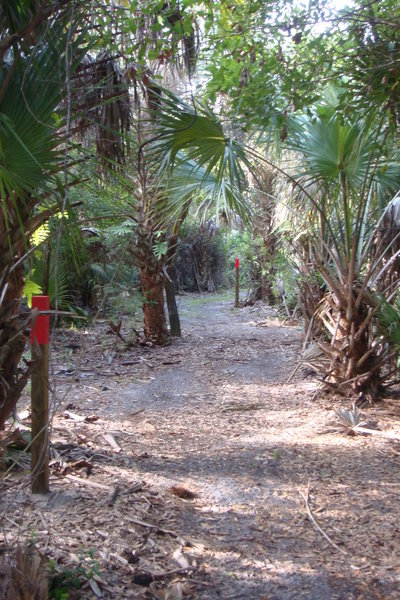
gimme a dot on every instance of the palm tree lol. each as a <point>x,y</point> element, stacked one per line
<point>184,157</point>
<point>346,181</point>
<point>42,44</point>
<point>32,80</point>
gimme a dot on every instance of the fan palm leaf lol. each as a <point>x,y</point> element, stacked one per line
<point>335,146</point>
<point>188,183</point>
<point>197,135</point>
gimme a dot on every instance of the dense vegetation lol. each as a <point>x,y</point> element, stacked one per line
<point>145,144</point>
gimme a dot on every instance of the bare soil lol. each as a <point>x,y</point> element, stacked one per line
<point>196,471</point>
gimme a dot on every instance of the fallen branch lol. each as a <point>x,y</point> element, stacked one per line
<point>243,407</point>
<point>89,483</point>
<point>383,434</point>
<point>151,526</point>
<point>293,373</point>
<point>314,522</point>
<point>184,541</point>
<point>110,439</point>
<point>145,579</point>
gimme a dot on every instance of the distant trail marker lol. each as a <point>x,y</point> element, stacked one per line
<point>40,337</point>
<point>236,283</point>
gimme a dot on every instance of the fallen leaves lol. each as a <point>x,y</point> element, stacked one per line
<point>116,459</point>
<point>182,492</point>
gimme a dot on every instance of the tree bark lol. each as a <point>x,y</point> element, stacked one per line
<point>155,323</point>
<point>13,339</point>
<point>173,315</point>
<point>152,283</point>
<point>355,367</point>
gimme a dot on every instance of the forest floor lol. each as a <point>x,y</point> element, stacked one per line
<point>196,471</point>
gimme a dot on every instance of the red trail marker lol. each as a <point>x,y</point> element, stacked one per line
<point>236,282</point>
<point>41,329</point>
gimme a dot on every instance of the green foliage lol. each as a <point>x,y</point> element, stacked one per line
<point>29,141</point>
<point>255,265</point>
<point>238,245</point>
<point>388,323</point>
<point>348,173</point>
<point>92,262</point>
<point>160,33</point>
<point>31,288</point>
<point>199,158</point>
<point>372,58</point>
<point>335,147</point>
<point>63,581</point>
<point>160,249</point>
<point>267,60</point>
<point>264,56</point>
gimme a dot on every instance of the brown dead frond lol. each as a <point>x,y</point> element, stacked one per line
<point>28,579</point>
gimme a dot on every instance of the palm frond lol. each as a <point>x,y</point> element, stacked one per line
<point>195,133</point>
<point>335,146</point>
<point>189,183</point>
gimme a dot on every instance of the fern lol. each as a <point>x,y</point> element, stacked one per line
<point>124,228</point>
<point>31,288</point>
<point>160,249</point>
<point>40,235</point>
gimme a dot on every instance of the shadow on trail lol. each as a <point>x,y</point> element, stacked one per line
<point>248,469</point>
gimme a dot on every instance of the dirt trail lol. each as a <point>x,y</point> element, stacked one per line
<point>224,424</point>
<point>212,413</point>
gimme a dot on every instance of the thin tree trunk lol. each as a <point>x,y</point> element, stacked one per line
<point>173,315</point>
<point>46,269</point>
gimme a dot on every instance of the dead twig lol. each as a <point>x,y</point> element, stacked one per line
<point>314,522</point>
<point>110,439</point>
<point>113,495</point>
<point>184,541</point>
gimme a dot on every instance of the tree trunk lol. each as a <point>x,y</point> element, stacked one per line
<point>354,365</point>
<point>155,323</point>
<point>152,282</point>
<point>13,339</point>
<point>173,314</point>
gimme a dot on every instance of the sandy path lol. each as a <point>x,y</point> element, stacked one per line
<point>212,413</point>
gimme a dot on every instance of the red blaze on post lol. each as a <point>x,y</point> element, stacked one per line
<point>41,329</point>
<point>236,263</point>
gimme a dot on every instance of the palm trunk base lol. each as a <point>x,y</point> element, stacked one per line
<point>155,324</point>
<point>13,340</point>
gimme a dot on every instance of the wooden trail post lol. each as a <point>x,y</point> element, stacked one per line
<point>236,283</point>
<point>40,334</point>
